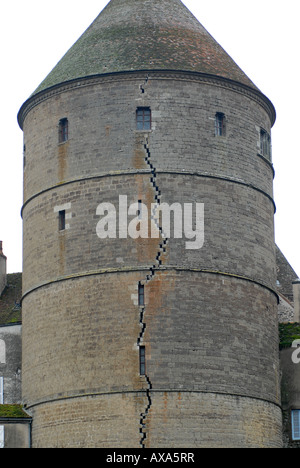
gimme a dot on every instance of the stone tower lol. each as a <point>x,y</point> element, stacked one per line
<point>136,340</point>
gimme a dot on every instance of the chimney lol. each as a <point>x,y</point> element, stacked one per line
<point>296,292</point>
<point>2,269</point>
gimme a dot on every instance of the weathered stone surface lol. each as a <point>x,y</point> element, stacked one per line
<point>209,318</point>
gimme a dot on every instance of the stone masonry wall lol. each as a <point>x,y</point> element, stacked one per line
<point>178,420</point>
<point>209,319</point>
<point>224,353</point>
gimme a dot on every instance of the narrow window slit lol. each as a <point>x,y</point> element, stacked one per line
<point>62,220</point>
<point>220,128</point>
<point>141,294</point>
<point>142,360</point>
<point>265,144</point>
<point>63,131</point>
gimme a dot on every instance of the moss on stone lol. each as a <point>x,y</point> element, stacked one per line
<point>12,411</point>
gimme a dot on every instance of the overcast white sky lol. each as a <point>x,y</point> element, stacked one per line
<point>262,36</point>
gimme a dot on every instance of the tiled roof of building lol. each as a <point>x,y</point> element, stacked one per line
<point>135,35</point>
<point>10,299</point>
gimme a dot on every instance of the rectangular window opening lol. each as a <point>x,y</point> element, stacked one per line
<point>24,156</point>
<point>62,220</point>
<point>143,118</point>
<point>1,390</point>
<point>265,144</point>
<point>220,128</point>
<point>141,294</point>
<point>142,360</point>
<point>296,424</point>
<point>63,130</point>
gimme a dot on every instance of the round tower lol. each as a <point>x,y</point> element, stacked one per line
<point>137,333</point>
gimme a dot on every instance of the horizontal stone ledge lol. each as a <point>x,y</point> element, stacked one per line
<point>159,74</point>
<point>148,171</point>
<point>123,270</point>
<point>94,393</point>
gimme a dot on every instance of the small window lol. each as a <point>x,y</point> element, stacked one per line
<point>63,130</point>
<point>62,220</point>
<point>24,156</point>
<point>2,352</point>
<point>143,118</point>
<point>296,424</point>
<point>1,437</point>
<point>220,124</point>
<point>1,390</point>
<point>265,144</point>
<point>142,360</point>
<point>141,294</point>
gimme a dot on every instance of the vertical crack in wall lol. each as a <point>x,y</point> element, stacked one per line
<point>155,211</point>
<point>143,433</point>
<point>156,266</point>
<point>142,86</point>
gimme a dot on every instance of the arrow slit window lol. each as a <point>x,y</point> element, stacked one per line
<point>63,131</point>
<point>142,360</point>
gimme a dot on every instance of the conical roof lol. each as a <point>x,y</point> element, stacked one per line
<point>133,35</point>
